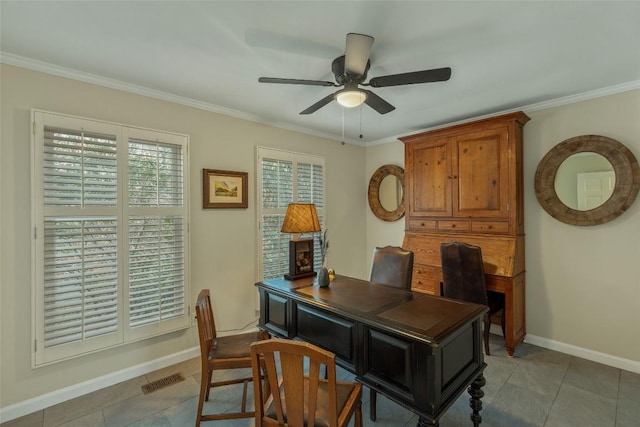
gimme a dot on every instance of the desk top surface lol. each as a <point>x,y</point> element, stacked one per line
<point>422,316</point>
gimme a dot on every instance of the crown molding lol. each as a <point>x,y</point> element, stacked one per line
<point>44,67</point>
<point>47,68</point>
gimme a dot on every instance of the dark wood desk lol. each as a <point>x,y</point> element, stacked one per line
<point>418,350</point>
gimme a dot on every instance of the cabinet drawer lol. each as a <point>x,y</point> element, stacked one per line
<point>422,224</point>
<point>454,225</point>
<point>426,279</point>
<point>490,226</point>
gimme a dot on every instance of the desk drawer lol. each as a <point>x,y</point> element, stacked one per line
<point>490,226</point>
<point>454,225</point>
<point>422,224</point>
<point>328,331</point>
<point>426,279</point>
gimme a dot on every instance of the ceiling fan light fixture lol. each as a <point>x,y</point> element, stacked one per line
<point>351,98</point>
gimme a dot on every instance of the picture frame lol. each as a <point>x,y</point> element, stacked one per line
<point>222,189</point>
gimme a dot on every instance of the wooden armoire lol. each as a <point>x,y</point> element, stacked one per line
<point>464,183</point>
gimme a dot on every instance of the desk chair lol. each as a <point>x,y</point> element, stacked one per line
<point>229,352</point>
<point>391,266</point>
<point>463,279</point>
<point>297,399</point>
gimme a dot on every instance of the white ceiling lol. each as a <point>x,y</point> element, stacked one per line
<point>504,55</point>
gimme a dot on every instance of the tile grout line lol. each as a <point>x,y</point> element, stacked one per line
<point>557,392</point>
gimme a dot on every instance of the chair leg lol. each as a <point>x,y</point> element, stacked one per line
<point>358,422</point>
<point>372,404</point>
<point>502,322</point>
<point>487,327</point>
<point>210,376</point>
<point>204,394</point>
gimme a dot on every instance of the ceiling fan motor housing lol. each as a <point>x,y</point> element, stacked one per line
<point>343,78</point>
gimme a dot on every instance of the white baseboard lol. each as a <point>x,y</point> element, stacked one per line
<point>53,398</point>
<point>584,353</point>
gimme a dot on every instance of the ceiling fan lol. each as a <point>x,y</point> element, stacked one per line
<point>350,71</point>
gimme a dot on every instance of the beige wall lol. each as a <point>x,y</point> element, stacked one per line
<point>222,241</point>
<point>583,283</point>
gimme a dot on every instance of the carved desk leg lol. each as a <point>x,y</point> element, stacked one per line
<point>475,390</point>
<point>422,422</point>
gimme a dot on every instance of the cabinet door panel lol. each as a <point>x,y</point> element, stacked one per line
<point>482,189</point>
<point>430,190</point>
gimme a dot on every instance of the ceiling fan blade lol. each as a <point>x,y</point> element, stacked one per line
<point>357,53</point>
<point>295,81</point>
<point>425,76</point>
<point>377,103</point>
<point>315,107</point>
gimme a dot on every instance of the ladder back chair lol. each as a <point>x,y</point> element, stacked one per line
<point>296,398</point>
<point>229,352</point>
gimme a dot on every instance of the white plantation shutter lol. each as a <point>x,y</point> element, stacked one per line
<point>80,279</point>
<point>156,242</point>
<point>283,178</point>
<point>79,168</point>
<point>155,174</point>
<point>110,235</point>
<point>156,269</point>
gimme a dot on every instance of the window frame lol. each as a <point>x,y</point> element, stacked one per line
<point>124,334</point>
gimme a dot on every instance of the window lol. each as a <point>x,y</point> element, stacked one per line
<point>110,214</point>
<point>283,178</point>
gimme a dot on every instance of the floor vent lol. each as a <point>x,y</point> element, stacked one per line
<point>162,383</point>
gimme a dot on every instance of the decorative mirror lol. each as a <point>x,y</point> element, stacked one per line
<point>587,180</point>
<point>386,193</point>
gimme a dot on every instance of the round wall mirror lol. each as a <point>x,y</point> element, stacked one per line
<point>587,180</point>
<point>386,193</point>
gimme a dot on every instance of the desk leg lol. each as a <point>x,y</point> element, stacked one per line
<point>475,390</point>
<point>422,422</point>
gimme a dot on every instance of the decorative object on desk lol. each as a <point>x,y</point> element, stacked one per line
<point>332,275</point>
<point>300,218</point>
<point>323,276</point>
<point>224,189</point>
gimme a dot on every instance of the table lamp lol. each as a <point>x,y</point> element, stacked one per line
<point>300,218</point>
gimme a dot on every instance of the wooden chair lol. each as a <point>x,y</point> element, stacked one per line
<point>391,266</point>
<point>229,352</point>
<point>297,399</point>
<point>463,279</point>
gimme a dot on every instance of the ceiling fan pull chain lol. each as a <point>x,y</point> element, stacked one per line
<point>342,126</point>
<point>360,121</point>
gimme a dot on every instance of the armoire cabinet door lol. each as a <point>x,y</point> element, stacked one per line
<point>481,181</point>
<point>430,163</point>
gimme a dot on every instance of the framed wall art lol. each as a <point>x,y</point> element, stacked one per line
<point>224,189</point>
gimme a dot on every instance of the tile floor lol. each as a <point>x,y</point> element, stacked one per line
<point>537,388</point>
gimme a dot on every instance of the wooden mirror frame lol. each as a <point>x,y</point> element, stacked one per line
<point>626,187</point>
<point>374,192</point>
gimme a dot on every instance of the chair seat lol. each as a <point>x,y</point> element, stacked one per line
<point>343,391</point>
<point>235,346</point>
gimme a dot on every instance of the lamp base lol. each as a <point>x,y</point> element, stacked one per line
<point>300,259</point>
<point>300,276</point>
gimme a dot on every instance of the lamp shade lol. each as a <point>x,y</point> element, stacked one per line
<point>301,218</point>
